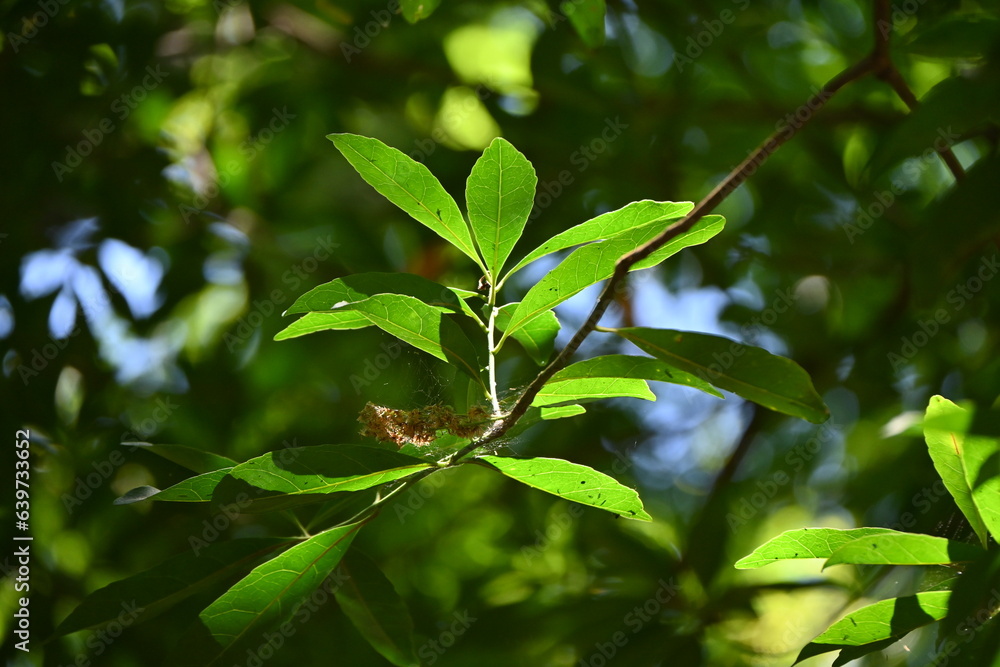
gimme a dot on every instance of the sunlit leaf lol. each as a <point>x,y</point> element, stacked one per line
<point>572,481</point>
<point>944,428</point>
<point>615,375</point>
<point>903,549</point>
<point>608,225</point>
<point>326,469</point>
<point>360,286</point>
<point>887,619</point>
<point>422,326</point>
<point>577,389</point>
<point>313,322</point>
<point>537,337</point>
<point>271,592</point>
<point>410,186</point>
<point>197,489</point>
<point>175,579</point>
<point>750,372</point>
<point>376,610</point>
<point>804,543</point>
<point>499,194</point>
<point>595,262</point>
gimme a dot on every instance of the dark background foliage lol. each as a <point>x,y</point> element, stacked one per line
<point>187,139</point>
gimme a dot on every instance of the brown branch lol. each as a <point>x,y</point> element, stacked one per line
<point>877,61</point>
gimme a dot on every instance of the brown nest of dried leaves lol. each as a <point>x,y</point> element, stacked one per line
<point>421,425</point>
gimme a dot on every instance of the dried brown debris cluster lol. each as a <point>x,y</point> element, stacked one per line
<point>420,426</point>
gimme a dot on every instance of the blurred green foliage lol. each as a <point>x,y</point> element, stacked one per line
<point>168,178</point>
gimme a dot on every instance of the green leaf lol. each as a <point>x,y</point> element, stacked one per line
<point>804,543</point>
<point>499,195</point>
<point>422,326</point>
<point>981,458</point>
<point>197,489</point>
<point>572,481</point>
<point>595,262</point>
<point>577,389</point>
<point>537,337</point>
<point>172,581</point>
<point>606,226</point>
<point>272,591</point>
<point>313,322</point>
<point>903,549</point>
<point>751,372</point>
<point>376,610</point>
<point>360,286</point>
<point>887,619</point>
<point>326,469</point>
<point>944,427</point>
<point>410,186</point>
<point>191,458</point>
<point>417,10</point>
<point>599,373</point>
<point>587,17</point>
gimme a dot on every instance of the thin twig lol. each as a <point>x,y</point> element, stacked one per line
<point>878,62</point>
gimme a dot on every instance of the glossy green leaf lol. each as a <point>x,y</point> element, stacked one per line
<point>417,10</point>
<point>804,543</point>
<point>369,599</point>
<point>887,619</point>
<point>422,326</point>
<point>751,372</point>
<point>312,322</point>
<point>271,592</point>
<point>191,458</point>
<point>197,489</point>
<point>537,337</point>
<point>410,186</point>
<point>608,225</point>
<point>572,481</point>
<point>172,581</point>
<point>499,195</point>
<point>578,389</point>
<point>903,549</point>
<point>981,458</point>
<point>944,427</point>
<point>601,377</point>
<point>326,469</point>
<point>360,286</point>
<point>595,262</point>
<point>587,18</point>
